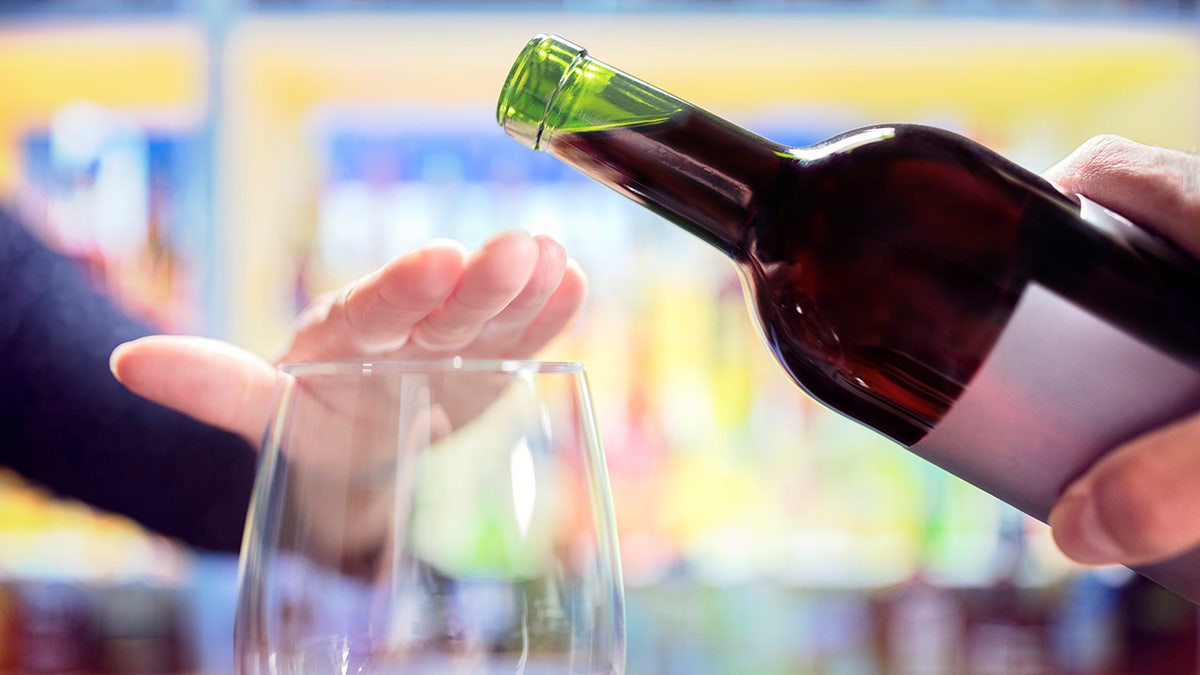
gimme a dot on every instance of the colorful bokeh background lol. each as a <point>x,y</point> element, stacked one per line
<point>215,167</point>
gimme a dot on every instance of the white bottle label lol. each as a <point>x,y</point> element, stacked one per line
<point>1060,388</point>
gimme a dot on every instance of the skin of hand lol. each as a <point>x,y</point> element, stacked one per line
<point>1138,504</point>
<point>506,300</point>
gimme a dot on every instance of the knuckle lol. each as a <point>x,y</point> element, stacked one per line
<point>1102,144</point>
<point>1106,154</point>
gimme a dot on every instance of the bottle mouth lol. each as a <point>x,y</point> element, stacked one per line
<point>533,84</point>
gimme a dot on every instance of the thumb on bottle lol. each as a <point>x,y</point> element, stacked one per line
<point>1136,505</point>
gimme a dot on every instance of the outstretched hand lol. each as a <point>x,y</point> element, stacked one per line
<point>506,300</point>
<point>1138,504</point>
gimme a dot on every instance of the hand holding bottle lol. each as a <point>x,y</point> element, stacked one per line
<point>1139,503</point>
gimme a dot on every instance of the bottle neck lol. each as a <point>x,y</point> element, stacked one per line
<point>696,170</point>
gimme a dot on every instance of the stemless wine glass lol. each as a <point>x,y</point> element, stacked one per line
<point>431,517</point>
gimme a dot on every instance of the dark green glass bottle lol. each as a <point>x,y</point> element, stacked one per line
<point>903,275</point>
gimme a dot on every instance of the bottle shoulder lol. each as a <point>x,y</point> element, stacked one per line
<point>907,141</point>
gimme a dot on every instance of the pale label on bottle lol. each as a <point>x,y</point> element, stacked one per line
<point>1060,388</point>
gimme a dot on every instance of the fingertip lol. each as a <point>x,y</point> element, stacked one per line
<point>115,358</point>
<point>124,359</point>
<point>513,244</point>
<point>415,281</point>
<point>566,303</point>
<point>573,288</point>
<point>575,271</point>
<point>511,235</point>
<point>1079,531</point>
<point>549,246</point>
<point>547,272</point>
<point>446,243</point>
<point>443,254</point>
<point>500,269</point>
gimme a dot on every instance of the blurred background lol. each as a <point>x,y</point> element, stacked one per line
<point>216,164</point>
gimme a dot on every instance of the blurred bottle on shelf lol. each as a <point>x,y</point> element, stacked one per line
<point>1006,632</point>
<point>8,626</point>
<point>924,621</point>
<point>924,629</point>
<point>54,630</point>
<point>141,629</point>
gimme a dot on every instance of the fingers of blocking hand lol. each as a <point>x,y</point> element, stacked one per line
<point>209,380</point>
<point>379,312</point>
<point>493,277</point>
<point>558,312</point>
<point>504,332</point>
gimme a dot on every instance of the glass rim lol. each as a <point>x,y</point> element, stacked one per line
<point>443,366</point>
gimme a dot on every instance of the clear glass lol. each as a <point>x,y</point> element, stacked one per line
<point>431,517</point>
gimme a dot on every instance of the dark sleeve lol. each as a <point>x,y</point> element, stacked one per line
<point>67,424</point>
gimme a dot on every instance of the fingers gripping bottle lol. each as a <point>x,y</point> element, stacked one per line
<point>905,276</point>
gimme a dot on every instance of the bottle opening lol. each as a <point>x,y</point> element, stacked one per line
<point>532,85</point>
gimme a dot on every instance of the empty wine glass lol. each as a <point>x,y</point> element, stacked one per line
<point>431,517</point>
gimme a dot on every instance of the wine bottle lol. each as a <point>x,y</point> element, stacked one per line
<point>906,276</point>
